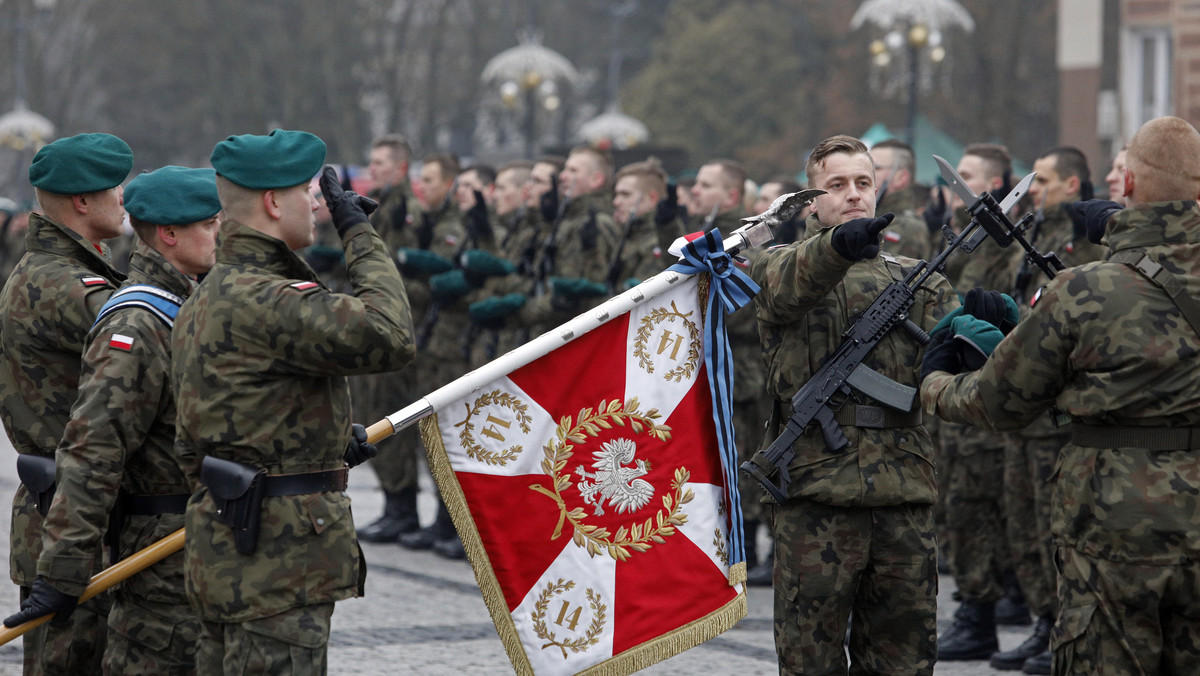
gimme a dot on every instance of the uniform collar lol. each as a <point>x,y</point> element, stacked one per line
<point>243,245</point>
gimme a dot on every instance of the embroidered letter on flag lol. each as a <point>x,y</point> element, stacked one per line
<point>591,495</point>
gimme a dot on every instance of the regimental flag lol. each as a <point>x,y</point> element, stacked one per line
<point>592,496</point>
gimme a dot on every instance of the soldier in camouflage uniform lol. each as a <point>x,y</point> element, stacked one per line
<point>259,357</point>
<point>1110,347</point>
<point>645,212</point>
<point>376,396</point>
<point>1030,454</point>
<point>118,449</point>
<point>46,310</point>
<point>895,172</point>
<point>856,533</point>
<point>971,460</point>
<point>718,194</point>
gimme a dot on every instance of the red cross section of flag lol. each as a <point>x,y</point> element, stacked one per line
<point>590,495</point>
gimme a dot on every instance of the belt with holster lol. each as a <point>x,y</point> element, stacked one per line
<point>1148,438</point>
<point>238,490</point>
<point>37,474</point>
<point>877,417</point>
<point>139,505</point>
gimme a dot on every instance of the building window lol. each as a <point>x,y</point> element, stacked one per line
<point>1146,80</point>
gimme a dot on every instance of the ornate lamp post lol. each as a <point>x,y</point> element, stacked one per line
<point>906,56</point>
<point>530,76</point>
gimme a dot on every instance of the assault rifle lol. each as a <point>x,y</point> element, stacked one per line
<point>844,372</point>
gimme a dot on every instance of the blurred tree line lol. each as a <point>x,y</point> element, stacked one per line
<point>757,80</point>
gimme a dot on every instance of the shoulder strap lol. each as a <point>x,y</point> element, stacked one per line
<point>1161,277</point>
<point>163,304</point>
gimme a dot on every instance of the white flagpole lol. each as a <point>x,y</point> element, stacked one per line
<point>747,236</point>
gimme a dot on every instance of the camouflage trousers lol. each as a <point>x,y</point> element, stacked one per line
<point>293,643</point>
<point>749,425</point>
<point>871,568</point>
<point>151,638</point>
<point>1028,494</point>
<point>76,647</point>
<point>974,510</point>
<point>1126,618</point>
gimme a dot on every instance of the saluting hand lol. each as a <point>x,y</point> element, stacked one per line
<point>345,206</point>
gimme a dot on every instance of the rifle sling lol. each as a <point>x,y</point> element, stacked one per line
<point>1148,267</point>
<point>876,417</point>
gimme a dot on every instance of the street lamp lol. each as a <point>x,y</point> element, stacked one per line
<point>530,75</point>
<point>905,57</point>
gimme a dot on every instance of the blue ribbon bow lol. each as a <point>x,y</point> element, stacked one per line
<point>734,289</point>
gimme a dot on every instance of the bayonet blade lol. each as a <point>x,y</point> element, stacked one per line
<point>1017,192</point>
<point>955,181</point>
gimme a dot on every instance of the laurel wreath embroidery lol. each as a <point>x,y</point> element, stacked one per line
<point>590,637</point>
<point>467,437</point>
<point>597,539</point>
<point>719,543</point>
<point>656,316</point>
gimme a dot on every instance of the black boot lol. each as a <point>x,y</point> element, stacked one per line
<point>1011,610</point>
<point>1039,664</point>
<point>1036,644</point>
<point>973,634</point>
<point>441,529</point>
<point>399,517</point>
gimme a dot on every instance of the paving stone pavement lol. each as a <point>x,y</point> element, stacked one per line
<point>424,615</point>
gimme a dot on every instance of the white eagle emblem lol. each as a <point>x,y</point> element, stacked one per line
<point>613,482</point>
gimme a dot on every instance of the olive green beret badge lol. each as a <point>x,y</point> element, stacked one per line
<point>80,164</point>
<point>281,159</point>
<point>173,196</point>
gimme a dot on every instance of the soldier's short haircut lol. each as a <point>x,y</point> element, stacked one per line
<point>399,146</point>
<point>831,146</point>
<point>485,172</point>
<point>1069,161</point>
<point>1164,157</point>
<point>518,168</point>
<point>556,161</point>
<point>904,153</point>
<point>602,158</point>
<point>997,162</point>
<point>447,162</point>
<point>734,174</point>
<point>649,174</point>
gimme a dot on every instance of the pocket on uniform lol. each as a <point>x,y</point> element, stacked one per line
<point>1068,637</point>
<point>323,510</point>
<point>141,627</point>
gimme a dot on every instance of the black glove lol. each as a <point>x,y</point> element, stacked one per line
<point>477,219</point>
<point>942,354</point>
<point>937,212</point>
<point>44,599</point>
<point>668,207</point>
<point>991,307</point>
<point>345,206</point>
<point>359,450</point>
<point>858,239</point>
<point>1091,216</point>
<point>548,204</point>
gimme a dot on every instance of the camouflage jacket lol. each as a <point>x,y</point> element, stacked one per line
<point>259,358</point>
<point>584,241</point>
<point>1107,347</point>
<point>990,266</point>
<point>46,310</point>
<point>396,216</point>
<point>908,234</point>
<point>121,437</point>
<point>809,297</point>
<point>749,371</point>
<point>644,253</point>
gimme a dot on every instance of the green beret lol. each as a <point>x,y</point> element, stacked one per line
<point>281,159</point>
<point>81,164</point>
<point>173,196</point>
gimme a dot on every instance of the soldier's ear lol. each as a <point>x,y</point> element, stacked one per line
<point>167,234</point>
<point>1129,180</point>
<point>271,204</point>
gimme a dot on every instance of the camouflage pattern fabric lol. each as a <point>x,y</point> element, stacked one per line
<point>259,355</point>
<point>907,234</point>
<point>524,231</point>
<point>46,310</point>
<point>292,642</point>
<point>887,554</point>
<point>121,438</point>
<point>862,513</point>
<point>1107,347</point>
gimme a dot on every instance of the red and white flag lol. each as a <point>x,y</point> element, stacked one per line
<point>589,492</point>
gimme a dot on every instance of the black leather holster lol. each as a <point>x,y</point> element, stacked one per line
<point>37,473</point>
<point>237,491</point>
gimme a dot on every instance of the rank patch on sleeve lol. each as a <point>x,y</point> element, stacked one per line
<point>304,286</point>
<point>121,342</point>
<point>93,281</point>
